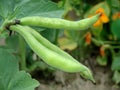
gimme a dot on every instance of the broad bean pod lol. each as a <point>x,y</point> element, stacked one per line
<point>55,58</point>
<point>59,23</point>
<point>48,44</point>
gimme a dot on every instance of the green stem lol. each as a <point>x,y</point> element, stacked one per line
<point>2,28</point>
<point>22,51</point>
<point>111,42</point>
<point>37,65</point>
<point>97,42</point>
<point>56,37</point>
<point>115,47</point>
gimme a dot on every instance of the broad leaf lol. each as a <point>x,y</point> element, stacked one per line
<point>102,60</point>
<point>115,28</point>
<point>0,20</point>
<point>21,8</point>
<point>49,34</point>
<point>74,35</point>
<point>12,41</point>
<point>8,67</point>
<point>116,63</point>
<point>115,5</point>
<point>22,81</point>
<point>5,48</point>
<point>40,8</point>
<point>103,5</point>
<point>10,76</point>
<point>116,77</point>
<point>97,31</point>
<point>4,34</point>
<point>67,44</point>
<point>6,7</point>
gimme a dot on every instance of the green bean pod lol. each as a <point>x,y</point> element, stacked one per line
<point>54,58</point>
<point>59,23</point>
<point>48,44</point>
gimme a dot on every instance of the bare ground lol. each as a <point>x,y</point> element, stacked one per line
<point>67,81</point>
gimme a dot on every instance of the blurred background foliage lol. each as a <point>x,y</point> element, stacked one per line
<point>101,41</point>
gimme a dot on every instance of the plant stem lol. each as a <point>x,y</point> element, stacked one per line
<point>56,37</point>
<point>97,42</point>
<point>111,42</point>
<point>2,27</point>
<point>117,47</point>
<point>22,51</point>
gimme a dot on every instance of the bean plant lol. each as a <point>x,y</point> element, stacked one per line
<point>25,19</point>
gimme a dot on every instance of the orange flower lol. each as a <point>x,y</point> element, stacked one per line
<point>88,38</point>
<point>103,17</point>
<point>102,51</point>
<point>116,15</point>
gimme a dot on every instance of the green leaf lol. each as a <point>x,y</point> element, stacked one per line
<point>20,8</point>
<point>10,76</point>
<point>74,35</point>
<point>12,42</point>
<point>102,60</point>
<point>0,20</point>
<point>115,4</point>
<point>103,5</point>
<point>96,31</point>
<point>4,34</point>
<point>49,34</point>
<point>22,81</point>
<point>8,67</point>
<point>40,8</point>
<point>116,63</point>
<point>116,77</point>
<point>6,8</point>
<point>67,44</point>
<point>115,28</point>
<point>9,50</point>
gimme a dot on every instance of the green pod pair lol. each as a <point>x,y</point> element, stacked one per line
<point>59,23</point>
<point>50,53</point>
